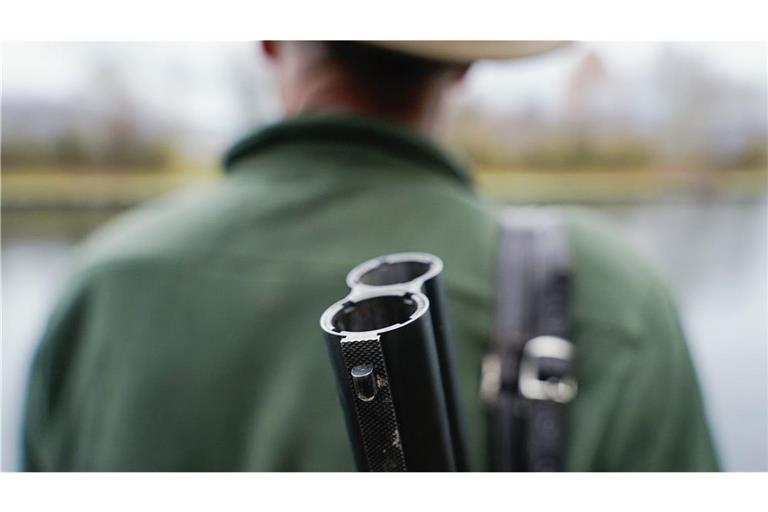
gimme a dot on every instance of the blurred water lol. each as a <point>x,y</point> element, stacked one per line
<point>713,252</point>
<point>715,255</point>
<point>33,271</point>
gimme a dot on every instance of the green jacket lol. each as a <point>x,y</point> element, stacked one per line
<point>188,336</point>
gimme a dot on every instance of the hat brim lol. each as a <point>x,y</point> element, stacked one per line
<point>469,51</point>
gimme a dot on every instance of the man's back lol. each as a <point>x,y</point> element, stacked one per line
<point>189,338</point>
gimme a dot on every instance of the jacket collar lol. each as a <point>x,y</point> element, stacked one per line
<point>346,129</point>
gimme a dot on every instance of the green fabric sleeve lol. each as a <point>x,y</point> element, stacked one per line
<point>659,422</point>
<point>44,443</point>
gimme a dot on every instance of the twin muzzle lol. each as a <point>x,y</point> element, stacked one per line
<point>390,348</point>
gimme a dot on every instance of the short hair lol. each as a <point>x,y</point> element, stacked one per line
<point>376,62</point>
<point>390,76</point>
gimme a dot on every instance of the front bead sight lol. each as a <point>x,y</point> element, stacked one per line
<point>364,382</point>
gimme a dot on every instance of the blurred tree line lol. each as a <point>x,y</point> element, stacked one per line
<point>71,151</point>
<point>103,129</point>
<point>684,116</point>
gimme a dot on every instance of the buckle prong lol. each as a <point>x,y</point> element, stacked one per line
<point>530,383</point>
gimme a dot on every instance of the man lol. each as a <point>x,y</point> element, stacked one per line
<point>188,338</point>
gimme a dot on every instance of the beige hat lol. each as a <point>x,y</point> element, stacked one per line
<point>468,51</point>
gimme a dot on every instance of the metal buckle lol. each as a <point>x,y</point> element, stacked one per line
<point>490,378</point>
<point>531,385</point>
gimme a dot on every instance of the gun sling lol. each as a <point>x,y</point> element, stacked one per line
<point>527,376</point>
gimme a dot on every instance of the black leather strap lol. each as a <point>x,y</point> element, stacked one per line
<point>530,343</point>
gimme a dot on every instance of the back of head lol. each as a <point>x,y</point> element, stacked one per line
<point>362,78</point>
<point>392,77</point>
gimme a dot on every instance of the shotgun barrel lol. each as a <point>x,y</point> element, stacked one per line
<point>392,356</point>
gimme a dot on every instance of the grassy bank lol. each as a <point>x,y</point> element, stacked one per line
<point>616,186</point>
<point>39,188</point>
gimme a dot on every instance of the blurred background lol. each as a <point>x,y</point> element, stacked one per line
<point>667,139</point>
